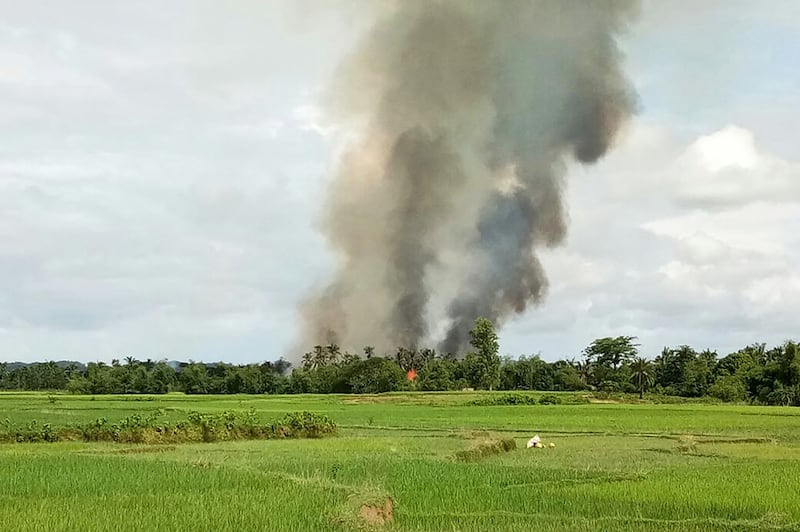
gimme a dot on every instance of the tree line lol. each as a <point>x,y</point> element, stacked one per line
<point>754,373</point>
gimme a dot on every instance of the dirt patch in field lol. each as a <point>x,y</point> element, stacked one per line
<point>144,449</point>
<point>736,440</point>
<point>366,508</point>
<point>369,399</point>
<point>377,515</point>
<point>422,399</point>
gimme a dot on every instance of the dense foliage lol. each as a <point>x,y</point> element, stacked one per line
<point>150,428</point>
<point>754,373</point>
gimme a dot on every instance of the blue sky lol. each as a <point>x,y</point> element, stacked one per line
<point>162,171</point>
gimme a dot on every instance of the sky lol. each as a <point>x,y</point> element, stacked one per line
<point>163,167</point>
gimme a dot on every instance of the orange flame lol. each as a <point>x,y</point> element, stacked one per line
<point>412,374</point>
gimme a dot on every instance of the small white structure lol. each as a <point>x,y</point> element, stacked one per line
<point>534,442</point>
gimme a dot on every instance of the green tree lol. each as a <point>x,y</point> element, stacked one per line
<point>685,372</point>
<point>737,363</point>
<point>375,375</point>
<point>728,388</point>
<point>566,377</point>
<point>102,379</point>
<point>300,381</point>
<point>5,376</point>
<point>407,358</point>
<point>315,359</point>
<point>250,379</point>
<point>641,374</point>
<point>194,378</point>
<point>437,375</point>
<point>162,378</point>
<point>608,359</point>
<point>309,361</point>
<point>612,352</point>
<point>333,354</point>
<point>467,372</point>
<point>527,373</point>
<point>585,370</point>
<point>78,385</point>
<point>484,340</point>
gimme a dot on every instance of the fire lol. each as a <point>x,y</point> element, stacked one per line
<point>412,374</point>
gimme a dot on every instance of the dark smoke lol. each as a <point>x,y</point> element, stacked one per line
<point>466,114</point>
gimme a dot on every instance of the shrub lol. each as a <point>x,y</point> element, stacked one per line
<point>376,375</point>
<point>508,399</point>
<point>30,433</point>
<point>78,386</point>
<point>549,399</point>
<point>728,388</point>
<point>140,428</point>
<point>303,425</point>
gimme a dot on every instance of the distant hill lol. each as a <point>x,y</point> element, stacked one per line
<point>11,366</point>
<point>177,365</point>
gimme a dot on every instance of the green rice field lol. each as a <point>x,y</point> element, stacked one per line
<point>424,462</point>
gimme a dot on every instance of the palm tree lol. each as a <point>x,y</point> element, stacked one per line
<point>315,359</point>
<point>308,360</point>
<point>425,355</point>
<point>783,395</point>
<point>641,374</point>
<point>333,354</point>
<point>405,358</point>
<point>320,357</point>
<point>585,371</point>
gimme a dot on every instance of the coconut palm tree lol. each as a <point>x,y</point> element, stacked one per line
<point>641,374</point>
<point>405,358</point>
<point>333,354</point>
<point>315,359</point>
<point>308,361</point>
<point>586,372</point>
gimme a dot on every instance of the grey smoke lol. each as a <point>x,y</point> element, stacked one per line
<point>466,114</point>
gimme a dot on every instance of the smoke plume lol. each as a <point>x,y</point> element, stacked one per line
<point>465,115</point>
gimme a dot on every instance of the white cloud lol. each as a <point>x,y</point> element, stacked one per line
<point>758,226</point>
<point>695,243</point>
<point>726,167</point>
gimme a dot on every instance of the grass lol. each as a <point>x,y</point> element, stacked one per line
<point>615,466</point>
